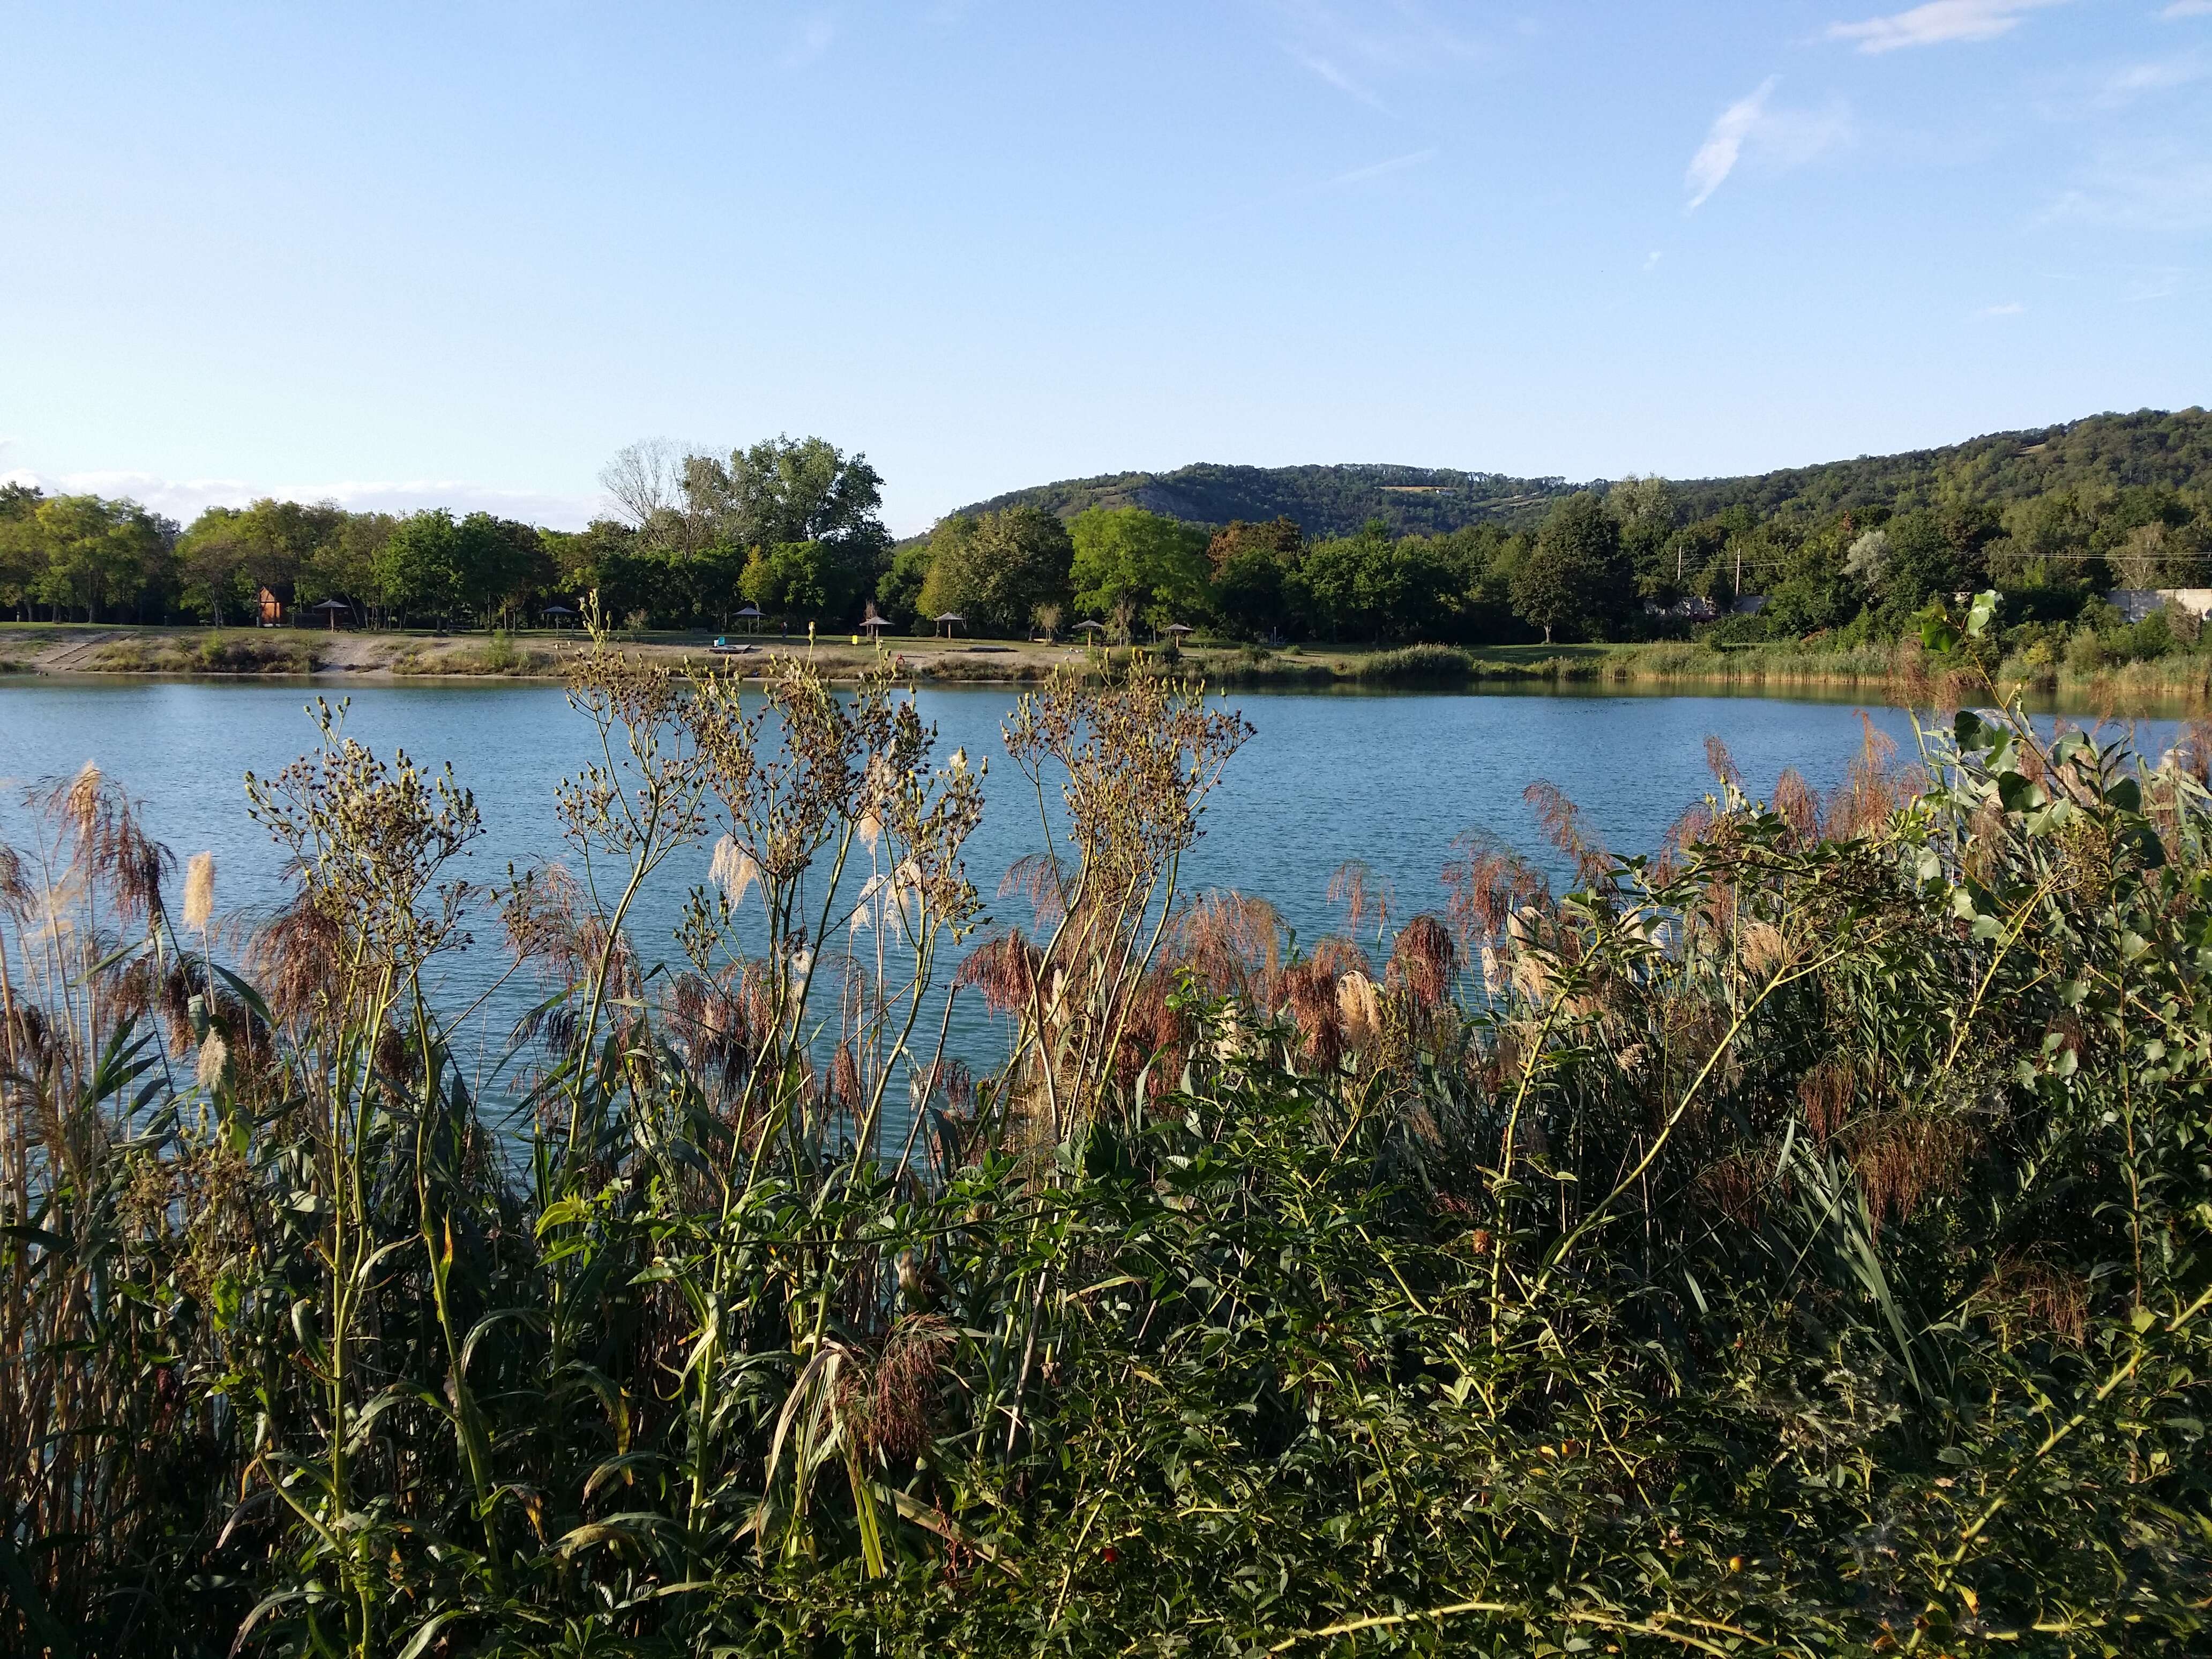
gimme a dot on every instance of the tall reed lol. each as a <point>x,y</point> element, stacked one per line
<point>1792,1243</point>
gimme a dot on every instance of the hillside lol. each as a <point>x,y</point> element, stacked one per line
<point>2100,451</point>
<point>1328,500</point>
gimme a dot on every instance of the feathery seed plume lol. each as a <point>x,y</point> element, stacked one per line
<point>83,801</point>
<point>215,1054</point>
<point>733,870</point>
<point>199,890</point>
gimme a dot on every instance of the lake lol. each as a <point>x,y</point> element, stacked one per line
<point>1389,779</point>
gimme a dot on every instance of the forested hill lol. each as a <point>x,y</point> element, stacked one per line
<point>2149,447</point>
<point>2173,451</point>
<point>1324,500</point>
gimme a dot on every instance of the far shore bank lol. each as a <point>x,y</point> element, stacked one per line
<point>1893,674</point>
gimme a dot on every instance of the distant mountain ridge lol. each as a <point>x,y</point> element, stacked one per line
<point>2148,447</point>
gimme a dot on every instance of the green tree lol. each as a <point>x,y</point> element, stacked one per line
<point>898,590</point>
<point>1576,579</point>
<point>997,569</point>
<point>1253,565</point>
<point>343,567</point>
<point>22,553</point>
<point>418,569</point>
<point>99,554</point>
<point>780,493</point>
<point>498,564</point>
<point>1126,557</point>
<point>803,579</point>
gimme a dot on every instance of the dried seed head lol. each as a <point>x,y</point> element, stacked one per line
<point>1422,961</point>
<point>1356,1007</point>
<point>199,890</point>
<point>83,801</point>
<point>214,1055</point>
<point>733,869</point>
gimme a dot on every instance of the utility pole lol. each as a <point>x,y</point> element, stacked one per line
<point>1739,571</point>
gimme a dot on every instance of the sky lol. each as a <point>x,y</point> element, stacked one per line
<point>398,255</point>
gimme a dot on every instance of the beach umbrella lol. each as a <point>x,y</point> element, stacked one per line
<point>1091,627</point>
<point>946,621</point>
<point>332,607</point>
<point>557,611</point>
<point>1179,628</point>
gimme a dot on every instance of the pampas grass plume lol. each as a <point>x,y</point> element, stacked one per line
<point>215,1054</point>
<point>733,869</point>
<point>83,797</point>
<point>199,890</point>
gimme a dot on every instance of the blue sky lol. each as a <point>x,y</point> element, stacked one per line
<point>398,254</point>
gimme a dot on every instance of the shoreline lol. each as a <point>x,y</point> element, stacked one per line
<point>1894,675</point>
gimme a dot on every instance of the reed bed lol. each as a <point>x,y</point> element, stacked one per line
<point>1792,1243</point>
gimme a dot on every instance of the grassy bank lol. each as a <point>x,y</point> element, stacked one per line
<point>1798,1244</point>
<point>1893,673</point>
<point>217,652</point>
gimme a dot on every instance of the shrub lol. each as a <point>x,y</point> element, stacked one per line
<point>1417,662</point>
<point>1799,1237</point>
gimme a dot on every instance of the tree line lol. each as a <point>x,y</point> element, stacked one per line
<point>792,530</point>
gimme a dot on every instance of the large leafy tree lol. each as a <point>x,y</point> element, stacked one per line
<point>1576,579</point>
<point>344,566</point>
<point>1253,567</point>
<point>802,580</point>
<point>998,569</point>
<point>418,568</point>
<point>22,558</point>
<point>720,526</point>
<point>99,554</point>
<point>898,590</point>
<point>1145,564</point>
<point>498,563</point>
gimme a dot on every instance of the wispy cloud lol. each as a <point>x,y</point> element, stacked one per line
<point>1717,157</point>
<point>1355,53</point>
<point>185,498</point>
<point>2138,80</point>
<point>2181,9</point>
<point>2162,188</point>
<point>1379,169</point>
<point>1327,68</point>
<point>2010,308</point>
<point>1775,138</point>
<point>1651,260</point>
<point>1938,23</point>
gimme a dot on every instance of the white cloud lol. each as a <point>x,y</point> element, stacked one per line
<point>1774,139</point>
<point>2010,308</point>
<point>1354,52</point>
<point>2124,85</point>
<point>2181,9</point>
<point>1327,68</point>
<point>2162,189</point>
<point>185,498</point>
<point>1937,23</point>
<point>1717,157</point>
<point>1651,259</point>
<point>1379,169</point>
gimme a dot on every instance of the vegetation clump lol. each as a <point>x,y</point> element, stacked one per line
<point>1798,1241</point>
<point>216,653</point>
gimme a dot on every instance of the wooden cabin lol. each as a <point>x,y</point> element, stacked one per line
<point>271,613</point>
